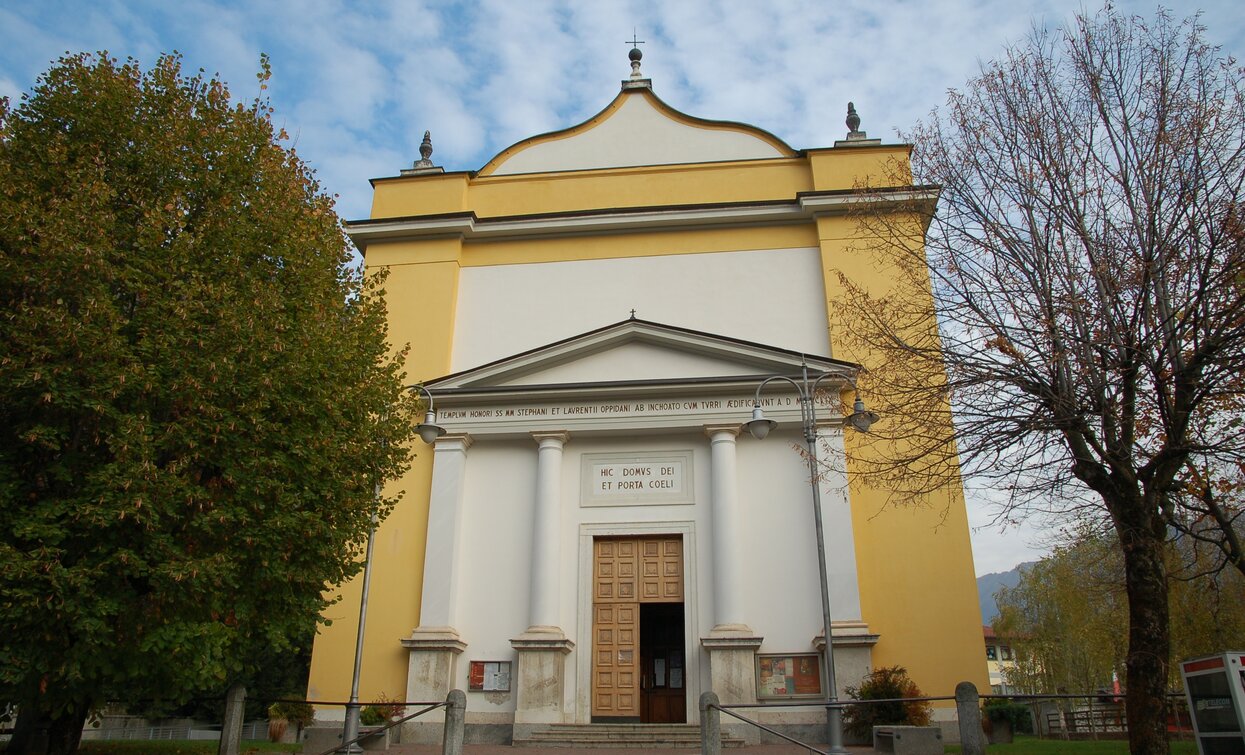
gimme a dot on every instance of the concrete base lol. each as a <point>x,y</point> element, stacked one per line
<point>732,670</point>
<point>908,740</point>
<point>853,653</point>
<point>429,676</point>
<point>539,683</point>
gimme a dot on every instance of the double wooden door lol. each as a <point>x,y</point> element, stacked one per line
<point>628,573</point>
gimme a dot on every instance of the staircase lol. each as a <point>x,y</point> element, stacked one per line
<point>634,736</point>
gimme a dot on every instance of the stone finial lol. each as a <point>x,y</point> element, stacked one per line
<point>637,80</point>
<point>853,123</point>
<point>425,151</point>
<point>424,163</point>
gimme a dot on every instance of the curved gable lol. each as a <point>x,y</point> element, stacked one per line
<point>637,129</point>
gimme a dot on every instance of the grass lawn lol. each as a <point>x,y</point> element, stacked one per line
<point>1034,746</point>
<point>176,747</point>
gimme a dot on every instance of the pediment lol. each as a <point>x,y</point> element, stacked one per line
<point>637,129</point>
<point>636,352</point>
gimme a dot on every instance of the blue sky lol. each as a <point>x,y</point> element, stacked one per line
<point>356,84</point>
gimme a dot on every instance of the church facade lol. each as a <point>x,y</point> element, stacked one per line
<point>595,537</point>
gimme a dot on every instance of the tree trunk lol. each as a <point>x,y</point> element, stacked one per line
<point>36,733</point>
<point>65,731</point>
<point>1145,576</point>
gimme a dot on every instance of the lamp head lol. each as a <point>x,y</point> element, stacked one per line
<point>429,430</point>
<point>861,418</point>
<point>759,425</point>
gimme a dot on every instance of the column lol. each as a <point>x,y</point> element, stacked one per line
<point>435,644</point>
<point>547,519</point>
<point>732,644</point>
<point>542,649</point>
<point>724,498</point>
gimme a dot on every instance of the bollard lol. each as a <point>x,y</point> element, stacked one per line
<point>455,720</point>
<point>968,711</point>
<point>231,727</point>
<point>710,724</point>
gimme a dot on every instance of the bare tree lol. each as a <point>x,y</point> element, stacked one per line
<point>1087,266</point>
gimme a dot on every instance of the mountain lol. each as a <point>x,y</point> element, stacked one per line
<point>989,584</point>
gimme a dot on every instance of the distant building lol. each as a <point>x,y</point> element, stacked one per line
<point>595,539</point>
<point>999,657</point>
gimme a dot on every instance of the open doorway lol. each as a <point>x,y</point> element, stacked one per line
<point>663,695</point>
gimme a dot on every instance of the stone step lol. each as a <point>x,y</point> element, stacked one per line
<point>672,736</point>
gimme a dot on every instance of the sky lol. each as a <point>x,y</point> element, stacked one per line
<point>356,84</point>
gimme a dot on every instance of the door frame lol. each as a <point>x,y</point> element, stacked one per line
<point>583,639</point>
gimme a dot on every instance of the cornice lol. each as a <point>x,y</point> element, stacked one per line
<point>806,206</point>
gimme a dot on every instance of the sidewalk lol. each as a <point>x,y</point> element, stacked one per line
<point>783,749</point>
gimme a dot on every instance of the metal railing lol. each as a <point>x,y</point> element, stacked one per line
<point>1097,718</point>
<point>455,705</point>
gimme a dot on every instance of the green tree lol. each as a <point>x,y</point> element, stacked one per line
<point>1085,262</point>
<point>197,400</point>
<point>1068,616</point>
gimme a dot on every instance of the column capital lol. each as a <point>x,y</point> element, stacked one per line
<point>452,441</point>
<point>561,436</point>
<point>713,431</point>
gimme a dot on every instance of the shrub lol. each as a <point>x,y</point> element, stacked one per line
<point>380,712</point>
<point>887,683</point>
<point>297,713</point>
<point>1016,714</point>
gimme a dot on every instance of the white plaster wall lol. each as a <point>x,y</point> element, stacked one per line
<point>773,296</point>
<point>638,134</point>
<point>630,361</point>
<point>782,598</point>
<point>779,591</point>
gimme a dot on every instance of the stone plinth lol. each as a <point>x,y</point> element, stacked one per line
<point>732,671</point>
<point>429,677</point>
<point>539,682</point>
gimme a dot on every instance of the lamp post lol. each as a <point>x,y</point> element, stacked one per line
<point>428,431</point>
<point>860,419</point>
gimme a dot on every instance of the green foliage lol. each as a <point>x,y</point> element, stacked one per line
<point>1067,618</point>
<point>1033,746</point>
<point>297,714</point>
<point>1019,716</point>
<point>197,399</point>
<point>380,712</point>
<point>887,683</point>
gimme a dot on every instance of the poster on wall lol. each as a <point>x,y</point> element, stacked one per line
<point>786,676</point>
<point>489,676</point>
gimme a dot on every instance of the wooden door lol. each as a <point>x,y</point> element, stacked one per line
<point>626,573</point>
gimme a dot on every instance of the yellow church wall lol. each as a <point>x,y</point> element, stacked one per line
<point>842,168</point>
<point>428,194</point>
<point>541,193</point>
<point>421,298</point>
<point>650,244</point>
<point>920,600</point>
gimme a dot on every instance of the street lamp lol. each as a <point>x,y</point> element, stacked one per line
<point>760,426</point>
<point>428,431</point>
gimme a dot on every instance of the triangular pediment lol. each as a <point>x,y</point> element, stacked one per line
<point>637,129</point>
<point>637,352</point>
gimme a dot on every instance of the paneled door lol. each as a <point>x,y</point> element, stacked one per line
<point>625,573</point>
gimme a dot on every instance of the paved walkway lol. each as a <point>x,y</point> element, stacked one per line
<point>783,749</point>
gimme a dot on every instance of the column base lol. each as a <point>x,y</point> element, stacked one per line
<point>430,676</point>
<point>732,672</point>
<point>853,652</point>
<point>540,682</point>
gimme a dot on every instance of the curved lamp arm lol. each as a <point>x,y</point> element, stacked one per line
<point>760,425</point>
<point>861,419</point>
<point>428,430</point>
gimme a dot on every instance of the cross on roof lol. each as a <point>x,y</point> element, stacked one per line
<point>633,41</point>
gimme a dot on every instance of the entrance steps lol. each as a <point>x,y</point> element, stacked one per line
<point>634,736</point>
